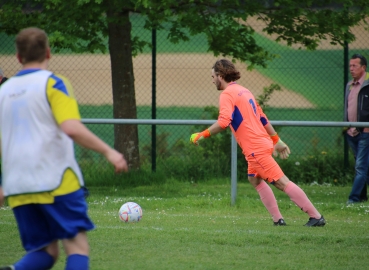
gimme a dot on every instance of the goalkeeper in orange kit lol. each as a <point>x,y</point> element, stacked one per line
<point>258,141</point>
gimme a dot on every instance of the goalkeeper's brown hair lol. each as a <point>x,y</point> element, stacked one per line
<point>226,70</point>
<point>32,45</point>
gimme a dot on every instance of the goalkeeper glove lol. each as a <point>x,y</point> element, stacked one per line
<point>199,136</point>
<point>280,147</point>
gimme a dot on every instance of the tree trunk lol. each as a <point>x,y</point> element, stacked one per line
<point>124,98</point>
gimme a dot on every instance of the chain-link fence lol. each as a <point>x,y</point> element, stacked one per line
<point>312,86</point>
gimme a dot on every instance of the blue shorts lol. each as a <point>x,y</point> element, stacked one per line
<point>41,224</point>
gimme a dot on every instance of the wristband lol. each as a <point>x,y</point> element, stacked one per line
<point>275,138</point>
<point>206,133</point>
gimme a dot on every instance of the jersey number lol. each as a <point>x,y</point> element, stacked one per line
<point>252,103</point>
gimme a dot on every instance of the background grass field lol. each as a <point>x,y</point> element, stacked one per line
<point>193,226</point>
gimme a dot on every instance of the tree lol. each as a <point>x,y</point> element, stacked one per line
<point>83,26</point>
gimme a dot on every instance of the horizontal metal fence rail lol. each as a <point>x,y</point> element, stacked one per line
<point>210,122</point>
<point>234,143</point>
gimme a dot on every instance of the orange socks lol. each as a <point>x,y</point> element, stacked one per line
<point>267,197</point>
<point>298,196</point>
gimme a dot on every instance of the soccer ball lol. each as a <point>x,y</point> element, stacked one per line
<point>130,212</point>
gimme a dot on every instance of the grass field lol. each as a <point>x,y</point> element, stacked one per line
<point>193,226</point>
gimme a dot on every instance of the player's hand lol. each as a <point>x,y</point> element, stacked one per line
<point>282,149</point>
<point>196,137</point>
<point>118,160</point>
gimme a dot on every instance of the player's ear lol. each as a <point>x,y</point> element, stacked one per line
<point>19,58</point>
<point>48,53</point>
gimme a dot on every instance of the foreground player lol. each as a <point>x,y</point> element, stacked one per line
<point>39,120</point>
<point>256,137</point>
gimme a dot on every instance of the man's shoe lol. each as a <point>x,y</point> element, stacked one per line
<point>9,267</point>
<point>280,222</point>
<point>315,222</point>
<point>349,202</point>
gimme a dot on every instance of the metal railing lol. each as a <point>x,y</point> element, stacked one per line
<point>233,144</point>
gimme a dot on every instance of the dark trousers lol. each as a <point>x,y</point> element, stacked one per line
<point>360,147</point>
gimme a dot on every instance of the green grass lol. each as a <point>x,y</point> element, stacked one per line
<point>317,75</point>
<point>193,226</point>
<point>196,44</point>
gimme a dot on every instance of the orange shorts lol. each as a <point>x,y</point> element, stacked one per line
<point>263,165</point>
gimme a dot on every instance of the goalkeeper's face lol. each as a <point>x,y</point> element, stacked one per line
<point>216,80</point>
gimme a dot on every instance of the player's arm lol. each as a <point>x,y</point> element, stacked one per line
<point>279,146</point>
<point>65,110</point>
<point>212,130</point>
<point>80,134</point>
<point>224,119</point>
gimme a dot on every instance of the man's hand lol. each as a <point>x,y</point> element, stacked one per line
<point>199,136</point>
<point>118,160</point>
<point>282,149</point>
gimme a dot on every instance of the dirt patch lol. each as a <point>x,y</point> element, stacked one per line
<point>182,80</point>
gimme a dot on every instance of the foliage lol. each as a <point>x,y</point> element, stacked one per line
<point>212,159</point>
<point>319,167</point>
<point>296,22</point>
<point>266,95</point>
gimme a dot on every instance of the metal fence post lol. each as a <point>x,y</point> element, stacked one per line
<point>345,79</point>
<point>153,102</point>
<point>233,170</point>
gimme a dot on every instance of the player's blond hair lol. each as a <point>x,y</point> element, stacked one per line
<point>32,44</point>
<point>226,70</point>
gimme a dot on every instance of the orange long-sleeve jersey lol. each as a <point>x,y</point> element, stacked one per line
<point>239,110</point>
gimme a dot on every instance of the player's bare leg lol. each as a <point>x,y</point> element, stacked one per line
<point>77,250</point>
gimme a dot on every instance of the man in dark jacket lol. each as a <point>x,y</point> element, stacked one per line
<point>357,110</point>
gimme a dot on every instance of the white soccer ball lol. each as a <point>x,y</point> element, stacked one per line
<point>130,212</point>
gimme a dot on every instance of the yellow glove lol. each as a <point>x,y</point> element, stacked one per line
<point>199,136</point>
<point>280,147</point>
